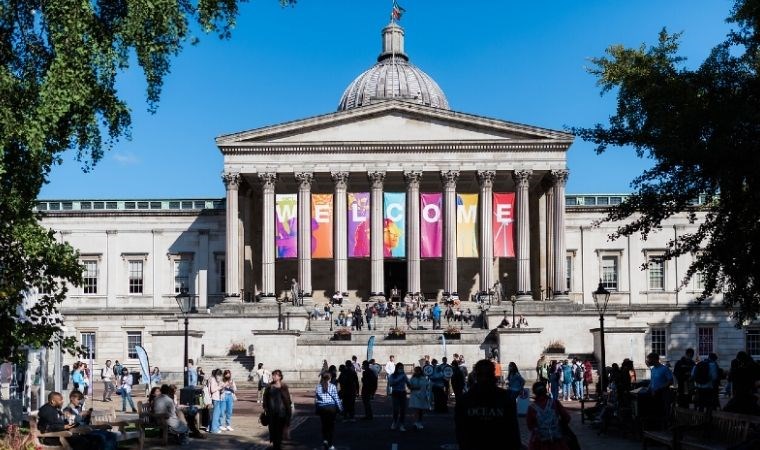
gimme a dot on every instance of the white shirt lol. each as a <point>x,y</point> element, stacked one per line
<point>106,373</point>
<point>125,382</point>
<point>390,367</point>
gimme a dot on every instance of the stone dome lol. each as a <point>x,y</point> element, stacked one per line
<point>393,78</point>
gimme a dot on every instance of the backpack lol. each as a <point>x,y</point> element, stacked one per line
<point>578,373</point>
<point>702,373</point>
<point>548,422</point>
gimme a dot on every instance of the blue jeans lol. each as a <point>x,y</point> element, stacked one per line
<point>226,414</point>
<point>216,416</point>
<point>126,397</point>
<point>566,390</point>
<point>579,388</point>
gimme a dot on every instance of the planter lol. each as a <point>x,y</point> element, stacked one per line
<point>395,337</point>
<point>341,337</point>
<point>236,353</point>
<point>555,351</point>
<point>451,336</point>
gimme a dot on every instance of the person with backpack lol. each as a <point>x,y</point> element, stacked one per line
<point>578,379</point>
<point>682,373</point>
<point>706,378</point>
<point>369,387</point>
<point>567,380</point>
<point>278,408</point>
<point>546,420</point>
<point>117,368</point>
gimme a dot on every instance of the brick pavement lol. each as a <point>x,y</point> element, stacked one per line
<point>369,435</point>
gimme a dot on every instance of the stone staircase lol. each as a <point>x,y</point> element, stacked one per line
<point>240,365</point>
<point>386,323</point>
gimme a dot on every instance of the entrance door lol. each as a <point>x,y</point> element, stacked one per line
<point>395,276</point>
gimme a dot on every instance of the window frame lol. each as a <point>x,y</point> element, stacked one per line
<point>754,331</point>
<point>85,261</point>
<point>660,331</point>
<point>607,284</point>
<point>704,354</point>
<point>133,284</point>
<point>221,273</point>
<point>92,352</point>
<point>569,269</point>
<point>132,334</point>
<point>655,260</point>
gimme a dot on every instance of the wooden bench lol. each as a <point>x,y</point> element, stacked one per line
<point>704,430</point>
<point>38,436</point>
<point>147,419</point>
<point>120,428</point>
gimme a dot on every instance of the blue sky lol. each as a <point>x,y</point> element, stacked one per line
<point>518,61</point>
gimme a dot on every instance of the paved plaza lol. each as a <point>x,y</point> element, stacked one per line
<point>375,434</point>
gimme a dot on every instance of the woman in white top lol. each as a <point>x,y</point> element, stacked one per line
<point>419,399</point>
<point>125,390</point>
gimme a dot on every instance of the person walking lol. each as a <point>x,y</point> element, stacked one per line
<point>349,389</point>
<point>682,374</point>
<point>328,404</point>
<point>485,410</point>
<point>228,398</point>
<point>515,381</point>
<point>369,387</point>
<point>457,379</point>
<point>545,420</point>
<point>278,407</point>
<point>419,399</point>
<point>77,377</point>
<point>397,383</point>
<point>264,379</point>
<point>567,380</point>
<point>125,390</point>
<point>106,376</point>
<point>555,374</point>
<point>215,388</point>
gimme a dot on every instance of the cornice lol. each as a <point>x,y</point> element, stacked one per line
<point>242,148</point>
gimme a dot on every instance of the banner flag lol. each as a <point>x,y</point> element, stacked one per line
<point>142,356</point>
<point>467,225</point>
<point>358,224</point>
<point>370,347</point>
<point>321,225</point>
<point>394,224</point>
<point>431,225</point>
<point>503,225</point>
<point>286,221</point>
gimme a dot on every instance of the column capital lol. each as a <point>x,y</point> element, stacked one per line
<point>268,180</point>
<point>340,179</point>
<point>522,177</point>
<point>486,177</point>
<point>376,178</point>
<point>560,176</point>
<point>231,180</point>
<point>412,176</point>
<point>304,179</point>
<point>449,177</point>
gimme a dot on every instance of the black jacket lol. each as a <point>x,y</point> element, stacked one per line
<point>483,411</point>
<point>50,419</point>
<point>369,382</point>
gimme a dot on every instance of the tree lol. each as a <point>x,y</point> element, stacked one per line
<point>701,128</point>
<point>58,66</point>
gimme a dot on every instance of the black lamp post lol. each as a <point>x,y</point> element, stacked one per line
<point>186,302</point>
<point>601,298</point>
<point>513,300</point>
<point>279,315</point>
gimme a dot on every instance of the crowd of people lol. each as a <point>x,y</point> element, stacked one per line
<point>410,311</point>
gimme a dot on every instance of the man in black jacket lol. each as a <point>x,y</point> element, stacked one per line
<point>369,387</point>
<point>484,411</point>
<point>682,373</point>
<point>349,388</point>
<point>50,419</point>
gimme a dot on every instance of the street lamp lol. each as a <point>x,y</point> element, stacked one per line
<point>186,303</point>
<point>279,315</point>
<point>601,299</point>
<point>513,300</point>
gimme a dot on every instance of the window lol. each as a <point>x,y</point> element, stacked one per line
<point>610,272</point>
<point>699,281</point>
<point>135,277</point>
<point>656,274</point>
<point>569,273</point>
<point>222,275</point>
<point>90,282</point>
<point>87,341</point>
<point>133,338</point>
<point>181,274</point>
<point>753,342</point>
<point>704,341</point>
<point>659,345</point>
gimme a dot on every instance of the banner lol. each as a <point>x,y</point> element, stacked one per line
<point>503,225</point>
<point>394,224</point>
<point>286,222</point>
<point>358,224</point>
<point>467,225</point>
<point>370,346</point>
<point>321,225</point>
<point>431,225</point>
<point>142,356</point>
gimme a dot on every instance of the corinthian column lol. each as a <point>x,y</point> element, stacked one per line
<point>560,282</point>
<point>413,226</point>
<point>304,230</point>
<point>341,231</point>
<point>377,288</point>
<point>549,240</point>
<point>485,179</point>
<point>449,180</point>
<point>268,181</point>
<point>522,182</point>
<point>232,260</point>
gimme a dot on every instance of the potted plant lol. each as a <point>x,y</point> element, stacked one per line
<point>237,349</point>
<point>396,334</point>
<point>452,333</point>
<point>555,347</point>
<point>342,334</point>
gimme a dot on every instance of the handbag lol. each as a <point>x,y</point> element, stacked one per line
<point>264,419</point>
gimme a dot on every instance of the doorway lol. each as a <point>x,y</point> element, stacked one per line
<point>395,276</point>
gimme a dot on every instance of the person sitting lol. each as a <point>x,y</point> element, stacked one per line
<point>504,323</point>
<point>50,419</point>
<point>97,435</point>
<point>164,404</point>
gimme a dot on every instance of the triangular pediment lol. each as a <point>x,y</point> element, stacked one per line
<point>392,121</point>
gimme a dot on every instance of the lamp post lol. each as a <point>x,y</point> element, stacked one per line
<point>186,303</point>
<point>601,298</point>
<point>513,300</point>
<point>279,315</point>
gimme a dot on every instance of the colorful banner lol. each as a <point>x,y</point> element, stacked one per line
<point>321,225</point>
<point>503,225</point>
<point>467,225</point>
<point>431,225</point>
<point>358,224</point>
<point>394,224</point>
<point>286,221</point>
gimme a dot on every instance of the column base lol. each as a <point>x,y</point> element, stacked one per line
<point>524,296</point>
<point>268,298</point>
<point>377,297</point>
<point>559,296</point>
<point>233,298</point>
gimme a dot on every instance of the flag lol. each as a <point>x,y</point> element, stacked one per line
<point>397,11</point>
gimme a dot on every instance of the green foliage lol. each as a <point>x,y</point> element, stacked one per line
<point>700,127</point>
<point>58,66</point>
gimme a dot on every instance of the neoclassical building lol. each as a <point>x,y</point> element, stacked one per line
<point>393,191</point>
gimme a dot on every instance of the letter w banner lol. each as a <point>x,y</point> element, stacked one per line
<point>431,225</point>
<point>467,225</point>
<point>286,223</point>
<point>394,224</point>
<point>142,356</point>
<point>503,225</point>
<point>321,225</point>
